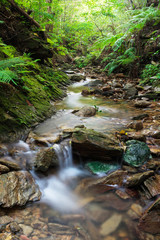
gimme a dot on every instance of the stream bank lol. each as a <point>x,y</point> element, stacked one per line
<point>77,204</point>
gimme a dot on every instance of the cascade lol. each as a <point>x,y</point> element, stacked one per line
<point>64,154</point>
<point>57,189</point>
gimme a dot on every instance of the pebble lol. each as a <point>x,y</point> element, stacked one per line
<point>26,229</point>
<point>23,237</point>
<point>111,224</point>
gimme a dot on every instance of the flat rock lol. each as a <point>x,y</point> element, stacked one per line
<point>140,116</point>
<point>9,162</point>
<point>150,220</point>
<point>18,188</point>
<point>4,169</point>
<point>152,184</point>
<point>27,230</point>
<point>102,184</point>
<point>86,111</point>
<point>138,178</point>
<point>142,104</point>
<point>88,142</point>
<point>111,224</point>
<point>96,213</point>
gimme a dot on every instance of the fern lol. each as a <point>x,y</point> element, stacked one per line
<point>7,76</point>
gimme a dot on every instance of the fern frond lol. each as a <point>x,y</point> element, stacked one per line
<point>7,76</point>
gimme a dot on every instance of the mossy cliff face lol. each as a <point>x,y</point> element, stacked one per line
<point>29,102</point>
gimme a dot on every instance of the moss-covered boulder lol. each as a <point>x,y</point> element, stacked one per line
<point>94,145</point>
<point>100,168</point>
<point>137,153</point>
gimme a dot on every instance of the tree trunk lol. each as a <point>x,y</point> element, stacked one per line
<point>49,27</point>
<point>26,15</point>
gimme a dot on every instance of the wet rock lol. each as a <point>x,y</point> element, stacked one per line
<point>130,91</point>
<point>4,220</point>
<point>86,92</point>
<point>142,104</point>
<point>102,184</point>
<point>100,168</point>
<point>86,111</point>
<point>27,230</point>
<point>122,194</point>
<point>9,162</point>
<point>17,188</point>
<point>3,150</point>
<point>4,169</point>
<point>94,83</point>
<point>116,84</point>
<point>138,125</point>
<point>135,211</point>
<point>60,229</point>
<point>23,237</point>
<point>77,77</point>
<point>150,220</point>
<point>45,159</point>
<point>106,88</point>
<point>141,117</point>
<point>152,185</point>
<point>137,153</point>
<point>88,142</point>
<point>138,178</point>
<point>92,230</point>
<point>14,227</point>
<point>136,136</point>
<point>155,134</point>
<point>153,164</point>
<point>96,213</point>
<point>111,224</point>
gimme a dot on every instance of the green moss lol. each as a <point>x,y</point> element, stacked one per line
<point>29,102</point>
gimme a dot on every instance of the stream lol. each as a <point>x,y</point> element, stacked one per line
<point>64,212</point>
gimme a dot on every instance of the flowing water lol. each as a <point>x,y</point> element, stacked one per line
<point>64,212</point>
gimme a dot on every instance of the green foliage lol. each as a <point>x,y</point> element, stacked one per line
<point>150,73</point>
<point>115,60</point>
<point>13,66</point>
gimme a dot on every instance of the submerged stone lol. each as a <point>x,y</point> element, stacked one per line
<point>137,153</point>
<point>99,168</point>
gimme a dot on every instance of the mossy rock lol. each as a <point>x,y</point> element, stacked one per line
<point>100,168</point>
<point>91,144</point>
<point>137,153</point>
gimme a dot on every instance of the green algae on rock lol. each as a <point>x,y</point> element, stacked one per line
<point>100,168</point>
<point>137,153</point>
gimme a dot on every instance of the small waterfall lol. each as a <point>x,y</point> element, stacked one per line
<point>57,189</point>
<point>64,154</point>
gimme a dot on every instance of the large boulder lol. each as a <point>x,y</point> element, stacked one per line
<point>137,153</point>
<point>18,188</point>
<point>94,145</point>
<point>46,157</point>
